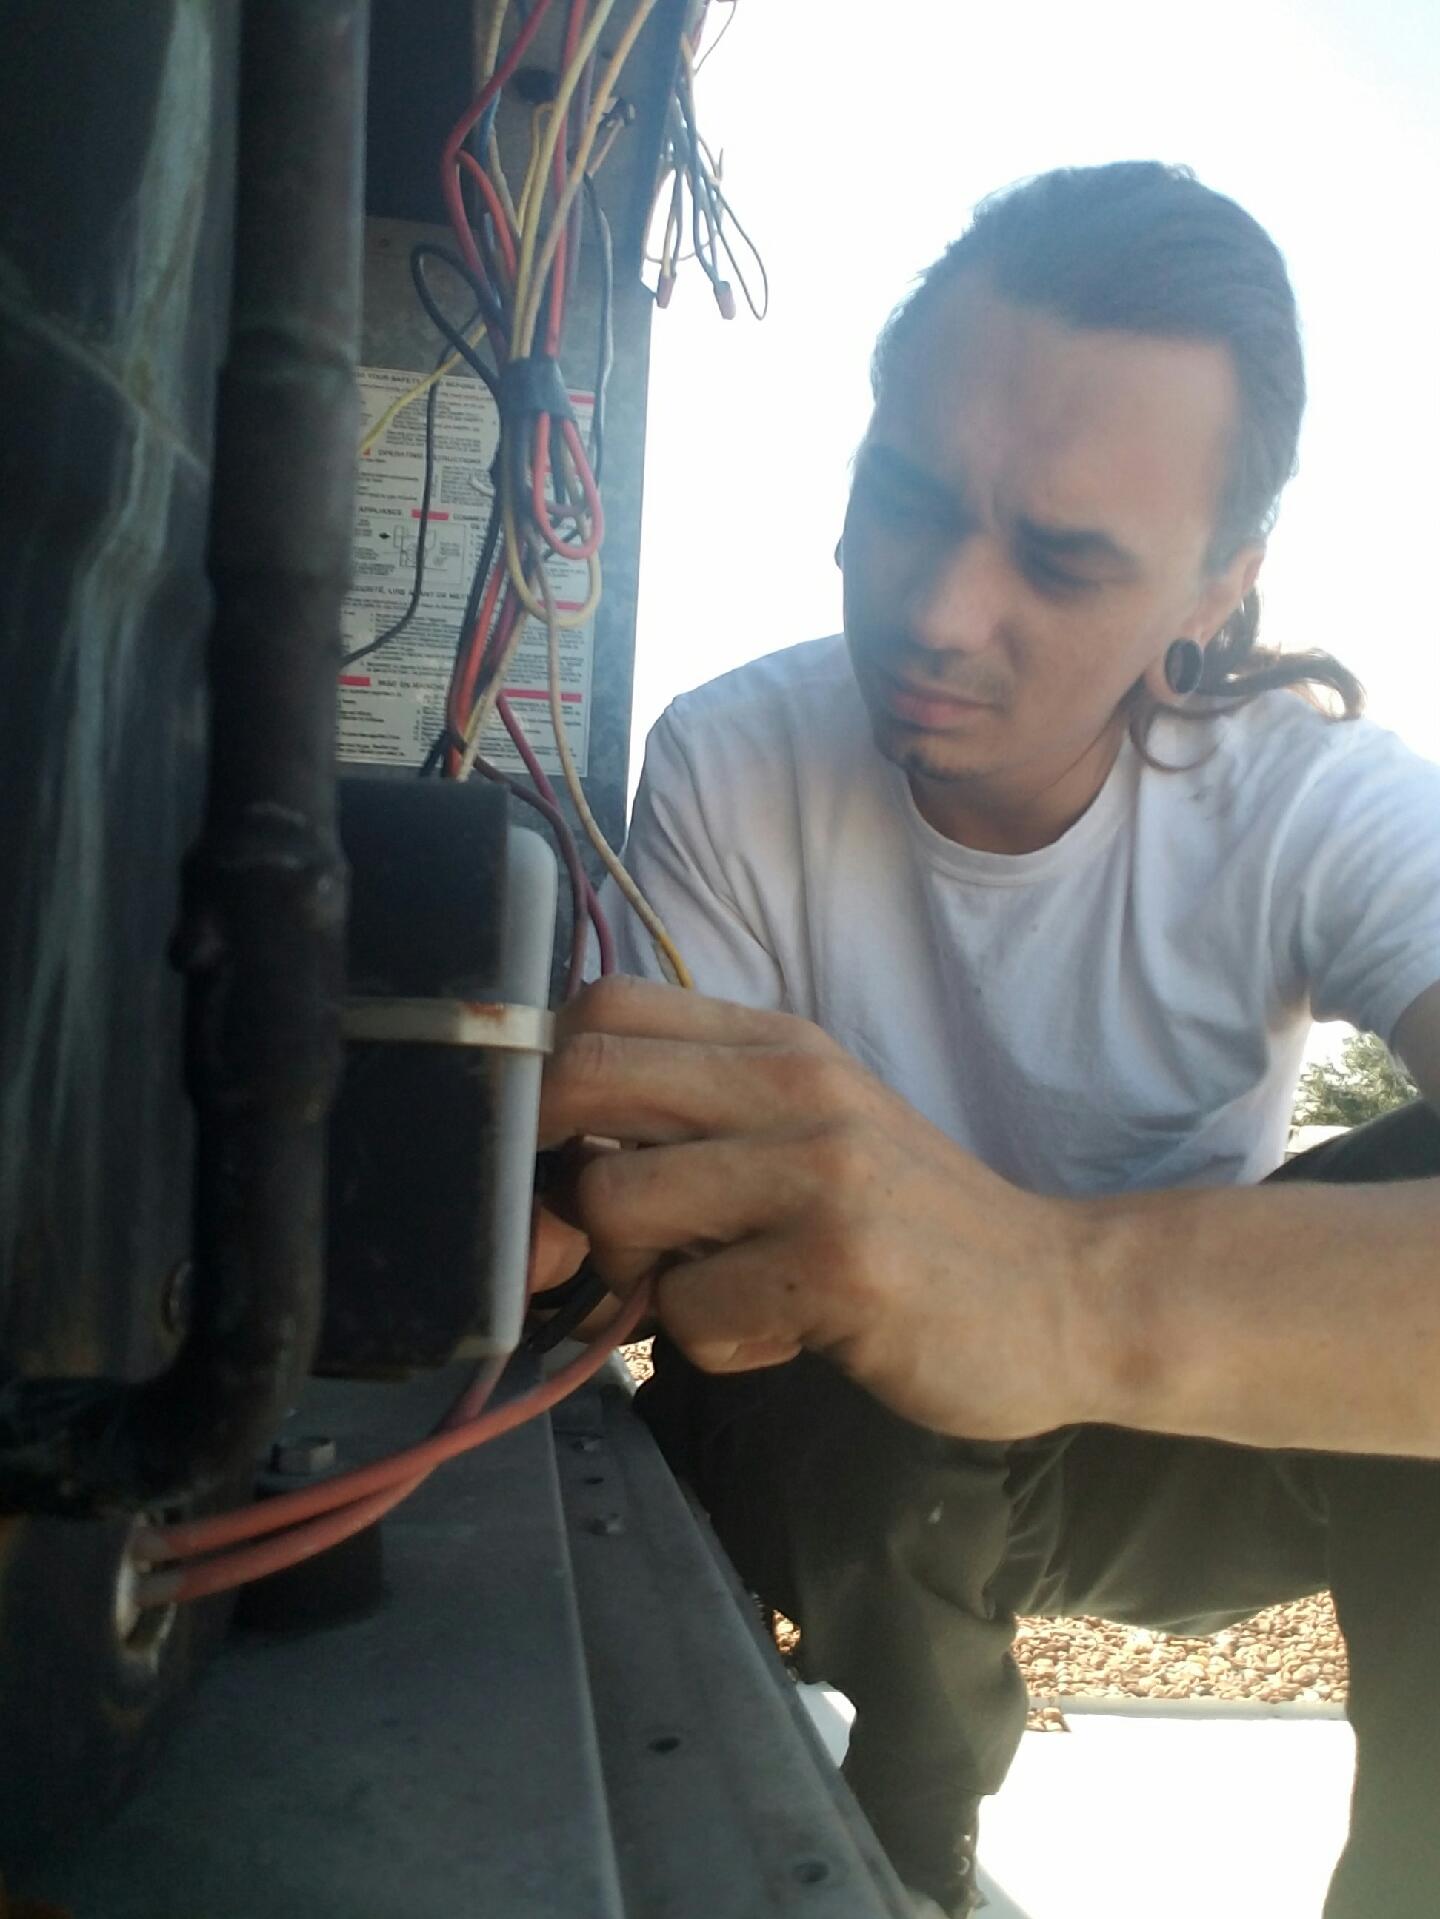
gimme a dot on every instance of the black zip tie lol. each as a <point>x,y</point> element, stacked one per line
<point>534,386</point>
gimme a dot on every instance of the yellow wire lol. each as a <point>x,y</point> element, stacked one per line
<point>569,81</point>
<point>527,302</point>
<point>649,918</point>
<point>490,46</point>
<point>538,118</point>
<point>411,394</point>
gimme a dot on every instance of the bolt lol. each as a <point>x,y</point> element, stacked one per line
<point>302,1457</point>
<point>175,1297</point>
<point>607,1525</point>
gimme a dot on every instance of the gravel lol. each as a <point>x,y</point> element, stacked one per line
<point>1286,1653</point>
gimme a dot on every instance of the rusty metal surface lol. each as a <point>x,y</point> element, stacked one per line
<point>113,297</point>
<point>263,907</point>
<point>116,144</point>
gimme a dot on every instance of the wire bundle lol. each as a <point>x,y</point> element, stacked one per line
<point>516,258</point>
<point>690,170</point>
<point>520,255</point>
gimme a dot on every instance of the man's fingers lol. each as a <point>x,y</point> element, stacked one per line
<point>747,1305</point>
<point>659,1091</point>
<point>689,1197</point>
<point>643,1009</point>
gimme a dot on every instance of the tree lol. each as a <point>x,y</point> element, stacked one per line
<point>1364,1082</point>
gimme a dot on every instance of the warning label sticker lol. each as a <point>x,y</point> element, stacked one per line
<point>392,702</point>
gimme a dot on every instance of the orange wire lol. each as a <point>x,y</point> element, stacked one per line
<point>476,651</point>
<point>493,207</point>
<point>338,1500</point>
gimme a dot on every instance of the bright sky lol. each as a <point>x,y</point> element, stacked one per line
<point>856,140</point>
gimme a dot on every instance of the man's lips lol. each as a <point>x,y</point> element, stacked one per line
<point>926,706</point>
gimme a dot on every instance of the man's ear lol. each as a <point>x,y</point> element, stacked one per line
<point>1223,594</point>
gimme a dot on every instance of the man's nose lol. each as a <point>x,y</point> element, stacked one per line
<point>957,598</point>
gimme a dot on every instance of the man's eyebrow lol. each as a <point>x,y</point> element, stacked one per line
<point>1076,543</point>
<point>884,463</point>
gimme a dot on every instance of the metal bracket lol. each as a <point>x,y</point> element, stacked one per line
<point>450,1022</point>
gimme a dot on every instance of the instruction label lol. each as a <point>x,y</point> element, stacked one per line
<point>392,702</point>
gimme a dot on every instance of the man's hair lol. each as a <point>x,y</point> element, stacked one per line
<point>1145,248</point>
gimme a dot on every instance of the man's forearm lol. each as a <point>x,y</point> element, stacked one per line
<point>1297,1315</point>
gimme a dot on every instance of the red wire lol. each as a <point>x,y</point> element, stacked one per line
<point>540,472</point>
<point>493,208</point>
<point>231,1569</point>
<point>449,171</point>
<point>297,1543</point>
<point>580,889</point>
<point>604,939</point>
<point>353,1496</point>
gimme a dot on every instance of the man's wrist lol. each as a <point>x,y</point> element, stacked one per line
<point>1116,1341</point>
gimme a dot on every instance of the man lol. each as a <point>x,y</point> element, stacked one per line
<point>1022,898</point>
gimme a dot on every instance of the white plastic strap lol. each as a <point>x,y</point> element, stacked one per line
<point>450,1022</point>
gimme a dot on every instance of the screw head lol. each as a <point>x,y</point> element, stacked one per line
<point>607,1525</point>
<point>302,1456</point>
<point>586,1443</point>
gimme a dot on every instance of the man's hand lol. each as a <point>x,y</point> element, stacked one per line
<point>789,1200</point>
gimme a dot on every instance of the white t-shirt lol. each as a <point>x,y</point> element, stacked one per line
<point>1123,1009</point>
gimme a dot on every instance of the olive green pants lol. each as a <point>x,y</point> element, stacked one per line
<point>905,1557</point>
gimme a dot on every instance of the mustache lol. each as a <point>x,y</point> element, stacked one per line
<point>918,675</point>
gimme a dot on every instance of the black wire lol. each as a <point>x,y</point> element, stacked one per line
<point>729,22</point>
<point>457,342</point>
<point>563,1291</point>
<point>573,1314</point>
<point>444,325</point>
<point>445,740</point>
<point>418,586</point>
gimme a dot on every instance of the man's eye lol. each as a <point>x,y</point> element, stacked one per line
<point>1051,577</point>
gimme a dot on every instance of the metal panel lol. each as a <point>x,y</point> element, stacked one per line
<point>437,1758</point>
<point>440,1757</point>
<point>723,1802</point>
